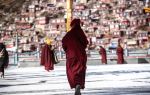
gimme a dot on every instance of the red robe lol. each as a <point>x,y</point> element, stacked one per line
<point>47,58</point>
<point>104,56</point>
<point>74,44</point>
<point>120,53</point>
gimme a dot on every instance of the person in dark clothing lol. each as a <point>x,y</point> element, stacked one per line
<point>102,52</point>
<point>4,59</point>
<point>74,44</point>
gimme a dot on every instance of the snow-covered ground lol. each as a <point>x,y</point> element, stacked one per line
<point>127,79</point>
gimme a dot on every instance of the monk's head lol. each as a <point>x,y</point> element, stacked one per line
<point>101,46</point>
<point>75,22</point>
<point>119,45</point>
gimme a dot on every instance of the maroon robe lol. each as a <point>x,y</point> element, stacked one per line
<point>74,44</point>
<point>120,59</point>
<point>47,57</point>
<point>102,52</point>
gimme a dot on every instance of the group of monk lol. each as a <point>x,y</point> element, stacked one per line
<point>74,44</point>
<point>119,53</point>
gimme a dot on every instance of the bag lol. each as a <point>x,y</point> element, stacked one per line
<point>55,59</point>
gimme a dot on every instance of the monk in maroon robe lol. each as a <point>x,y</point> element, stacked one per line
<point>47,57</point>
<point>120,53</point>
<point>102,52</point>
<point>74,44</point>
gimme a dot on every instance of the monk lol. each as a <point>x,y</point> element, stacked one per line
<point>47,56</point>
<point>4,59</point>
<point>74,44</point>
<point>120,59</point>
<point>102,52</point>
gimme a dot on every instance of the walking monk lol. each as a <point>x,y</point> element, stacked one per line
<point>47,55</point>
<point>74,44</point>
<point>102,52</point>
<point>4,59</point>
<point>120,53</point>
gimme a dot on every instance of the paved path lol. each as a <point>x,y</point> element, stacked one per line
<point>127,79</point>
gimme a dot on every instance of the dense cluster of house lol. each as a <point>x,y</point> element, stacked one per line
<point>104,22</point>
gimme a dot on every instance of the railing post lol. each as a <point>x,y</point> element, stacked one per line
<point>16,52</point>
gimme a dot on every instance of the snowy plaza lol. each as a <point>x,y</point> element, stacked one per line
<point>125,79</point>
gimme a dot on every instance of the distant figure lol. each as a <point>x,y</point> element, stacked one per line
<point>47,56</point>
<point>102,52</point>
<point>74,44</point>
<point>120,59</point>
<point>4,59</point>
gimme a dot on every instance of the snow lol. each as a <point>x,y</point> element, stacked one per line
<point>100,80</point>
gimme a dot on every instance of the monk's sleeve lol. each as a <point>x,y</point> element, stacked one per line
<point>83,38</point>
<point>119,50</point>
<point>64,44</point>
<point>101,51</point>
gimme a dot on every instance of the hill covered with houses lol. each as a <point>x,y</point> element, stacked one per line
<point>104,22</point>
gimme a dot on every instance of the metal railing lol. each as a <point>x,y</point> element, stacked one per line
<point>92,54</point>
